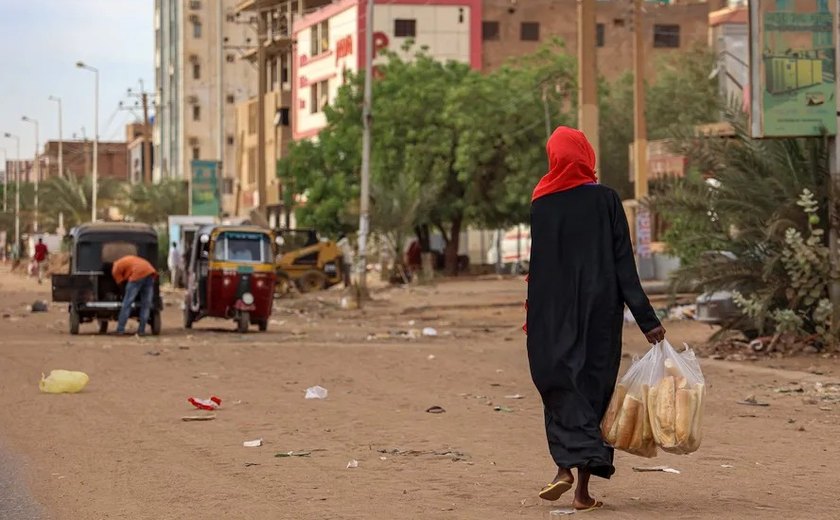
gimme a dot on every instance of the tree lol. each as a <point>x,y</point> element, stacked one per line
<point>72,197</point>
<point>153,203</point>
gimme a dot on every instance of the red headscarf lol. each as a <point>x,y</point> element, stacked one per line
<point>571,162</point>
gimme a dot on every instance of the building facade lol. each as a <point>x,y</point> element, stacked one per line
<point>199,81</point>
<point>513,28</point>
<point>729,38</point>
<point>78,160</point>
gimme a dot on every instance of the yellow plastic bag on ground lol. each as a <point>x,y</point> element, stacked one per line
<point>63,381</point>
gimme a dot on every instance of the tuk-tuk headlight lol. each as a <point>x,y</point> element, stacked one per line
<point>248,298</point>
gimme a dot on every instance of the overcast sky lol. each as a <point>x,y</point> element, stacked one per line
<point>40,43</point>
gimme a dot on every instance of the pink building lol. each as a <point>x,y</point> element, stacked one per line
<point>330,44</point>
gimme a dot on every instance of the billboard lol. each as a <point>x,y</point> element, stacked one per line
<point>204,188</point>
<point>792,68</point>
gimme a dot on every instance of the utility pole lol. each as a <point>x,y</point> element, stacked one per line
<point>60,138</point>
<point>588,73</point>
<point>261,74</point>
<point>639,124</point>
<point>220,93</point>
<point>95,189</point>
<point>367,121</point>
<point>5,178</point>
<point>36,166</point>
<point>143,97</point>
<point>17,190</point>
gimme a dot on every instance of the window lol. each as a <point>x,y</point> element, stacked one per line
<point>196,71</point>
<point>243,247</point>
<point>599,35</point>
<point>230,140</point>
<point>490,31</point>
<point>666,36</point>
<point>227,186</point>
<point>195,4</point>
<point>318,97</point>
<point>196,113</point>
<point>404,28</point>
<point>284,116</point>
<point>230,17</point>
<point>196,29</point>
<point>230,58</point>
<point>530,32</point>
<point>319,38</point>
<point>618,22</point>
<point>230,99</point>
<point>196,153</point>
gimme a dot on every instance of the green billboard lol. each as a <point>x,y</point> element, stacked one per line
<point>792,68</point>
<point>204,189</point>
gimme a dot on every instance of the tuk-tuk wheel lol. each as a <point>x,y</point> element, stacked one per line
<point>156,323</point>
<point>263,325</point>
<point>103,326</point>
<point>243,321</point>
<point>74,321</point>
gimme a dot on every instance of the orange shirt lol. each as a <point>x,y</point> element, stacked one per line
<point>132,268</point>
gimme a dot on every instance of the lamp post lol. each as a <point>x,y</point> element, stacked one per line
<point>17,189</point>
<point>5,178</point>
<point>37,168</point>
<point>95,71</point>
<point>60,138</point>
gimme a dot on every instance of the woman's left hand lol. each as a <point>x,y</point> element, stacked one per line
<point>656,335</point>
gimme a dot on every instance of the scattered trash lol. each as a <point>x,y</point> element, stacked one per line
<point>63,381</point>
<point>514,396</point>
<point>198,418</point>
<point>249,464</point>
<point>152,353</point>
<point>790,390</point>
<point>825,408</point>
<point>682,312</point>
<point>353,464</point>
<point>751,401</point>
<point>503,409</point>
<point>810,400</point>
<point>205,404</point>
<point>448,453</point>
<point>664,469</point>
<point>39,306</point>
<point>316,392</point>
<point>431,357</point>
<point>430,332</point>
<point>253,444</point>
<point>727,466</point>
<point>562,512</point>
<point>348,303</point>
<point>435,409</point>
<point>293,454</point>
<point>801,429</point>
<point>383,458</point>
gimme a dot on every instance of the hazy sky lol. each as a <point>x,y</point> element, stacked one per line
<point>40,43</point>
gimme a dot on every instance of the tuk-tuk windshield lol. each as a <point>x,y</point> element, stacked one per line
<point>243,246</point>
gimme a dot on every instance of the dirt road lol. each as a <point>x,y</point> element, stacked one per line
<point>119,450</point>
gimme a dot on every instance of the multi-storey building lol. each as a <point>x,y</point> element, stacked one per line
<point>199,80</point>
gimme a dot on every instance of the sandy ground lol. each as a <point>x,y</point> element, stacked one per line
<point>120,449</point>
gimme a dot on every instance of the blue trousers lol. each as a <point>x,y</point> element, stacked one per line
<point>145,287</point>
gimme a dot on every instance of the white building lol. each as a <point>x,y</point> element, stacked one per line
<point>729,38</point>
<point>330,44</point>
<point>199,79</point>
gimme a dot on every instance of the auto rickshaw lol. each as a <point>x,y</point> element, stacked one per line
<point>93,295</point>
<point>231,275</point>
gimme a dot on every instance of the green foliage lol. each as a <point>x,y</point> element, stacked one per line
<point>153,203</point>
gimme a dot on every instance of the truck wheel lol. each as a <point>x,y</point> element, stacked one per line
<point>157,323</point>
<point>312,281</point>
<point>74,321</point>
<point>103,326</point>
<point>243,321</point>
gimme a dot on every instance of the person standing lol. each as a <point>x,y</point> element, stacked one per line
<point>346,258</point>
<point>582,273</point>
<point>174,264</point>
<point>40,259</point>
<point>139,278</point>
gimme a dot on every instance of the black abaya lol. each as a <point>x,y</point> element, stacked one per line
<point>582,272</point>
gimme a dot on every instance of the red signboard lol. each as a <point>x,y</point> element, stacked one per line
<point>343,48</point>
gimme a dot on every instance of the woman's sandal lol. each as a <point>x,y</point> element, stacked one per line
<point>555,490</point>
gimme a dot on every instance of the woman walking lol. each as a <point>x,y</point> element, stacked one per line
<point>582,273</point>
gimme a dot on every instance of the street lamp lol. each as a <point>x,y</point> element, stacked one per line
<point>60,138</point>
<point>37,165</point>
<point>7,135</point>
<point>95,71</point>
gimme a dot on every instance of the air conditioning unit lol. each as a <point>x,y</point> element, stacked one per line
<point>195,4</point>
<point>193,141</point>
<point>192,100</point>
<point>194,18</point>
<point>193,58</point>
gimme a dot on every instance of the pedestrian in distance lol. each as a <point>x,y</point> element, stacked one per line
<point>139,276</point>
<point>582,273</point>
<point>174,264</point>
<point>40,259</point>
<point>346,258</point>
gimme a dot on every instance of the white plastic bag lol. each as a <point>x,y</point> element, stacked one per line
<point>658,402</point>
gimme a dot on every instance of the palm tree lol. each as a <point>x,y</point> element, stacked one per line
<point>71,197</point>
<point>154,203</point>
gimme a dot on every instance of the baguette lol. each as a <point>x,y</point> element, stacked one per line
<point>626,422</point>
<point>612,412</point>
<point>636,442</point>
<point>647,432</point>
<point>665,411</point>
<point>697,422</point>
<point>653,408</point>
<point>686,401</point>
